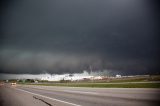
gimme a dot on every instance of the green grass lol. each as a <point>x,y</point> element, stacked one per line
<point>104,85</point>
<point>110,83</point>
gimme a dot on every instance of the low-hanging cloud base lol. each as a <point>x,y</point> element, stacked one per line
<point>69,36</point>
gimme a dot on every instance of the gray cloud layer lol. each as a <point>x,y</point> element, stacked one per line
<point>70,35</point>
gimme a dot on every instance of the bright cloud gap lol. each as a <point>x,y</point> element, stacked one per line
<point>57,77</point>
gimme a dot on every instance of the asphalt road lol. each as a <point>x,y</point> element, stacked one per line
<point>74,96</point>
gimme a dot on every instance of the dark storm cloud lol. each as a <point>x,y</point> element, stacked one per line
<point>70,35</point>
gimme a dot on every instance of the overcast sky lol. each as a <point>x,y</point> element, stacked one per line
<point>69,36</point>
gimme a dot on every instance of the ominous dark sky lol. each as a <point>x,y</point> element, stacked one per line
<point>59,36</point>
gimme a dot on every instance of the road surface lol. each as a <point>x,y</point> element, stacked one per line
<point>30,95</point>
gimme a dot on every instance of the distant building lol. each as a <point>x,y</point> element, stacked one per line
<point>98,78</point>
<point>35,81</point>
<point>118,76</point>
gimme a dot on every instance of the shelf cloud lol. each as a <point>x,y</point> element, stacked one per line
<point>70,36</point>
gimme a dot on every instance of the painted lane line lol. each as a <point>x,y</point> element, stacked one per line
<point>69,91</point>
<point>93,93</point>
<point>49,97</point>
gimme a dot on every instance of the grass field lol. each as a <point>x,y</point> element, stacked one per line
<point>104,85</point>
<point>129,82</point>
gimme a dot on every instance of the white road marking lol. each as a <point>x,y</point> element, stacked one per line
<point>94,93</point>
<point>81,92</point>
<point>75,91</point>
<point>49,98</point>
